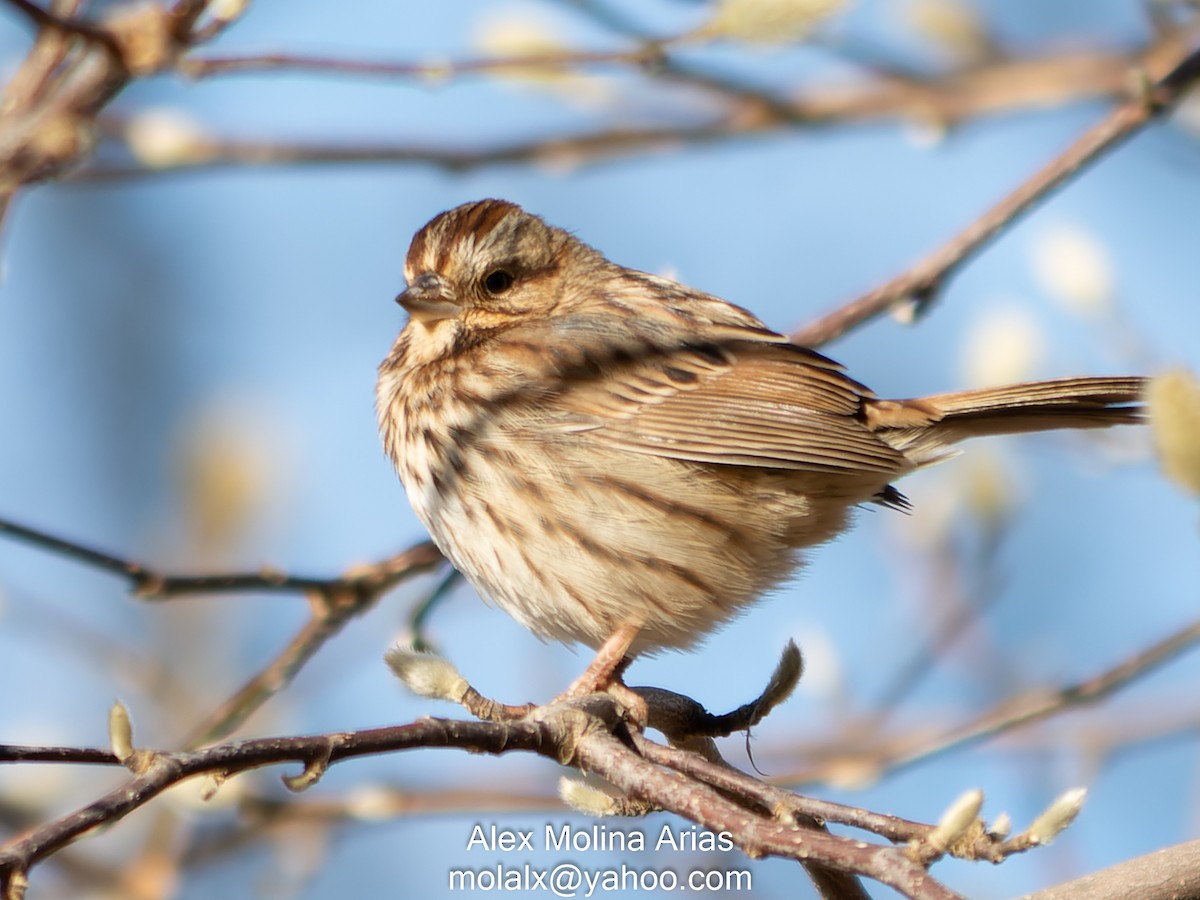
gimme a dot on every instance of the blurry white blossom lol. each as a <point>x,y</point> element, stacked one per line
<point>511,35</point>
<point>160,137</point>
<point>197,797</point>
<point>823,676</point>
<point>989,486</point>
<point>931,520</point>
<point>770,21</point>
<point>983,486</point>
<point>1074,268</point>
<point>1187,113</point>
<point>507,34</point>
<point>230,468</point>
<point>853,773</point>
<point>954,26</point>
<point>1005,344</point>
<point>227,10</point>
<point>373,803</point>
<point>925,132</point>
<point>1174,401</point>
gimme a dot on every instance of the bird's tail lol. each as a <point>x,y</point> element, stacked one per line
<point>924,429</point>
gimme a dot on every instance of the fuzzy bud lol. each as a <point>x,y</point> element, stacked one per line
<point>1058,815</point>
<point>427,675</point>
<point>1174,402</point>
<point>957,818</point>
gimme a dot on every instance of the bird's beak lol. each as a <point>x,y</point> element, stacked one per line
<point>428,299</point>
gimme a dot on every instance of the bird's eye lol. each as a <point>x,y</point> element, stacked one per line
<point>497,282</point>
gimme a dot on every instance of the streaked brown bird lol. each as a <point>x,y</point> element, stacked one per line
<point>617,459</point>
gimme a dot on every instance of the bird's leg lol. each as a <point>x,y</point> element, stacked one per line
<point>604,673</point>
<point>607,667</point>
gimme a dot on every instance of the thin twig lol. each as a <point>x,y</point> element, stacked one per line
<point>46,19</point>
<point>334,602</point>
<point>418,618</point>
<point>150,584</point>
<point>1037,705</point>
<point>163,770</point>
<point>91,756</point>
<point>750,111</point>
<point>1015,712</point>
<point>960,609</point>
<point>212,66</point>
<point>332,608</point>
<point>921,283</point>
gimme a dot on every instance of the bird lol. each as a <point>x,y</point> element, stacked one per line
<point>621,461</point>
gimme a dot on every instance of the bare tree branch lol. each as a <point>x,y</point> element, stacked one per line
<point>149,584</point>
<point>333,603</point>
<point>944,101</point>
<point>1014,712</point>
<point>332,607</point>
<point>203,67</point>
<point>588,734</point>
<point>921,283</point>
<point>1172,873</point>
<point>67,24</point>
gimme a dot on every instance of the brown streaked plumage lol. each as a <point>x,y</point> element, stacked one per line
<point>595,447</point>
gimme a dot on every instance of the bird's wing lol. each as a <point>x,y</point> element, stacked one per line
<point>742,402</point>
